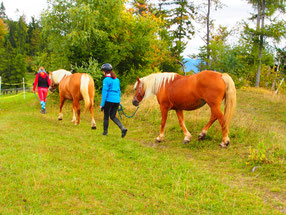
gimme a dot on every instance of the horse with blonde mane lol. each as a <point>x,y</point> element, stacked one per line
<point>176,92</point>
<point>75,87</point>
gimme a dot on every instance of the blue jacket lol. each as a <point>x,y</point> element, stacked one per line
<point>110,91</point>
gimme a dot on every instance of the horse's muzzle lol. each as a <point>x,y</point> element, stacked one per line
<point>135,102</point>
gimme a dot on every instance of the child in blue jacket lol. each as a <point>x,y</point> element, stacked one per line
<point>110,100</point>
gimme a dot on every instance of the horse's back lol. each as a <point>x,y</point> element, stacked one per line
<point>199,83</point>
<point>192,92</point>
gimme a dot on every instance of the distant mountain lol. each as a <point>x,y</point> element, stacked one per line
<point>191,64</point>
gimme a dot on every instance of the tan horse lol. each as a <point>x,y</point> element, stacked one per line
<point>176,92</point>
<point>75,87</point>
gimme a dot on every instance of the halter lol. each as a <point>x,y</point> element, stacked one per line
<point>53,85</point>
<point>139,93</point>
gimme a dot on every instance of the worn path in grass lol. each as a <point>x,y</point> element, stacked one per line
<point>53,167</point>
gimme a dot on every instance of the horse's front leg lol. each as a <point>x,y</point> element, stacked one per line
<point>181,119</point>
<point>164,114</point>
<point>62,101</point>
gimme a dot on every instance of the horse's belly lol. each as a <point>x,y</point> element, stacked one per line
<point>187,105</point>
<point>66,95</point>
<point>197,105</point>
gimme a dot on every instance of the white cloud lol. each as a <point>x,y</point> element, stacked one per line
<point>233,12</point>
<point>16,8</point>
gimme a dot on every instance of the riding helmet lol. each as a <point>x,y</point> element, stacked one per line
<point>106,67</point>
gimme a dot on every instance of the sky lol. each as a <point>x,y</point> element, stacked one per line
<point>16,8</point>
<point>233,12</point>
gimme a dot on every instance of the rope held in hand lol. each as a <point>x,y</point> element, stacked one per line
<point>121,111</point>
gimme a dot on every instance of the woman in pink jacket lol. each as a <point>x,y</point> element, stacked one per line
<point>43,82</point>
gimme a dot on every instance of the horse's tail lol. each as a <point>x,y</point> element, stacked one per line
<point>87,94</point>
<point>230,98</point>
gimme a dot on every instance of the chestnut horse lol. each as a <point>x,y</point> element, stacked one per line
<point>176,92</point>
<point>75,87</point>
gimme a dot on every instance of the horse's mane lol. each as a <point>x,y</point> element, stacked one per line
<point>153,83</point>
<point>59,74</point>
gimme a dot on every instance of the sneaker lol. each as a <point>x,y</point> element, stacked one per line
<point>124,131</point>
<point>104,133</point>
<point>43,111</point>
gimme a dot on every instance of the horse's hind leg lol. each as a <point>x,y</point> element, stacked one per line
<point>76,107</point>
<point>219,115</point>
<point>62,101</point>
<point>204,131</point>
<point>93,124</point>
<point>181,119</point>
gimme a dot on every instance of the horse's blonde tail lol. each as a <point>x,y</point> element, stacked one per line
<point>230,99</point>
<point>84,82</point>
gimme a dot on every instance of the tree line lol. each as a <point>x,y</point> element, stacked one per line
<point>141,37</point>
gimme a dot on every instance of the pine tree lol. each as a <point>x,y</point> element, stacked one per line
<point>277,29</point>
<point>2,11</point>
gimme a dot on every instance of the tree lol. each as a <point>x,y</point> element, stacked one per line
<point>2,11</point>
<point>13,51</point>
<point>105,31</point>
<point>34,37</point>
<point>168,60</point>
<point>266,9</point>
<point>3,60</point>
<point>204,16</point>
<point>141,7</point>
<point>179,15</point>
<point>3,30</point>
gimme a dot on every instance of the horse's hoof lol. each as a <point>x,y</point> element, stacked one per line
<point>186,140</point>
<point>60,119</point>
<point>224,145</point>
<point>158,141</point>
<point>202,135</point>
<point>93,127</point>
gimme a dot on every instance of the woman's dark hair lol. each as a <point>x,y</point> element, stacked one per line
<point>113,75</point>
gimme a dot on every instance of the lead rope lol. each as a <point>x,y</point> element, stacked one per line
<point>120,109</point>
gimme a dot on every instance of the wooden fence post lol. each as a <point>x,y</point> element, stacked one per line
<point>24,87</point>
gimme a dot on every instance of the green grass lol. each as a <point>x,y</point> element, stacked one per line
<point>53,167</point>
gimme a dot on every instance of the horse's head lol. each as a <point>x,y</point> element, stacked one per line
<point>53,85</point>
<point>139,92</point>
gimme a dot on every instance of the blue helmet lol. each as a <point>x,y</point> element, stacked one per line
<point>106,67</point>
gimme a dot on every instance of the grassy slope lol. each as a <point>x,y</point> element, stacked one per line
<point>52,167</point>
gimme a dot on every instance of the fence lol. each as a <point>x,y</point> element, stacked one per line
<point>11,90</point>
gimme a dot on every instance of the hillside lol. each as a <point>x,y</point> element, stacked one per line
<point>53,167</point>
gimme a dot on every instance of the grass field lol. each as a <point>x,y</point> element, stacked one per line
<point>53,167</point>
